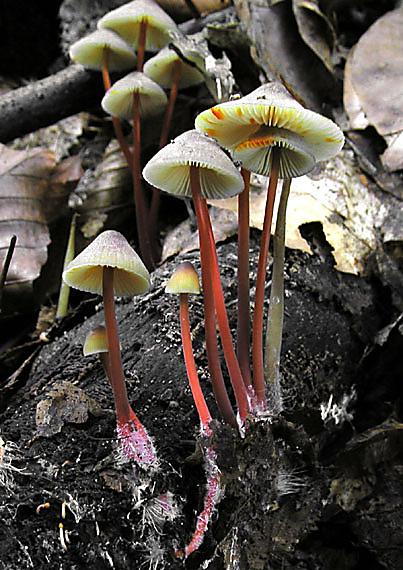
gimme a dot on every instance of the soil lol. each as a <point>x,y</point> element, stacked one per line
<point>306,490</point>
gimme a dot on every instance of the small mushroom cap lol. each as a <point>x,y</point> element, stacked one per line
<point>118,100</point>
<point>169,169</point>
<point>234,122</point>
<point>96,341</point>
<point>89,51</point>
<point>183,280</point>
<point>109,249</point>
<point>160,68</point>
<point>126,21</point>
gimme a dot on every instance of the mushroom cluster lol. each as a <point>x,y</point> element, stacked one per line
<point>269,133</point>
<point>265,132</point>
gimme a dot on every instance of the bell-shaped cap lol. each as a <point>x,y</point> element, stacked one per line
<point>242,124</point>
<point>96,341</point>
<point>126,21</point>
<point>169,169</point>
<point>109,249</point>
<point>160,68</point>
<point>118,100</point>
<point>89,51</point>
<point>183,280</point>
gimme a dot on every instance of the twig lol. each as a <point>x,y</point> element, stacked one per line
<point>6,266</point>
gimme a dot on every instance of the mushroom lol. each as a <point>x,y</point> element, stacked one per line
<point>194,166</point>
<point>272,133</point>
<point>96,342</point>
<point>173,68</point>
<point>184,282</point>
<point>109,266</point>
<point>105,51</point>
<point>130,98</point>
<point>143,24</point>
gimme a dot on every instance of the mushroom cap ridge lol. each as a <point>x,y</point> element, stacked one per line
<point>169,169</point>
<point>233,122</point>
<point>109,249</point>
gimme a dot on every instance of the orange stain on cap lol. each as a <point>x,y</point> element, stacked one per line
<point>210,132</point>
<point>217,113</point>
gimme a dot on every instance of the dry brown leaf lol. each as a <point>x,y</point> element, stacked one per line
<point>33,193</point>
<point>24,185</point>
<point>65,403</point>
<point>374,86</point>
<point>316,29</point>
<point>101,191</point>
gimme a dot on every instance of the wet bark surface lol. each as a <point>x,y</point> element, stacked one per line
<point>318,487</point>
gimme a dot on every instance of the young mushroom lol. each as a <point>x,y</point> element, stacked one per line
<point>130,98</point>
<point>270,133</point>
<point>109,267</point>
<point>194,166</point>
<point>184,282</point>
<point>96,342</point>
<point>105,51</point>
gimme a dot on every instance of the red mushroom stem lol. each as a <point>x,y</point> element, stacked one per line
<point>213,281</point>
<point>117,125</point>
<point>115,361</point>
<point>258,315</point>
<point>139,200</point>
<point>243,326</point>
<point>136,444</point>
<point>166,125</point>
<point>198,397</point>
<point>214,365</point>
<point>141,47</point>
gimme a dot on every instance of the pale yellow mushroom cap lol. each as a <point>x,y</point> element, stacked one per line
<point>126,21</point>
<point>89,51</point>
<point>169,169</point>
<point>160,68</point>
<point>118,100</point>
<point>109,249</point>
<point>96,341</point>
<point>242,124</point>
<point>183,280</point>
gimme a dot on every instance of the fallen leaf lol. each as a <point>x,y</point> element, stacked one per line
<point>373,89</point>
<point>101,191</point>
<point>316,29</point>
<point>65,403</point>
<point>33,193</point>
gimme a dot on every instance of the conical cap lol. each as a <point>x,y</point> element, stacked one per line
<point>169,169</point>
<point>183,280</point>
<point>109,249</point>
<point>118,100</point>
<point>89,51</point>
<point>96,341</point>
<point>126,21</point>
